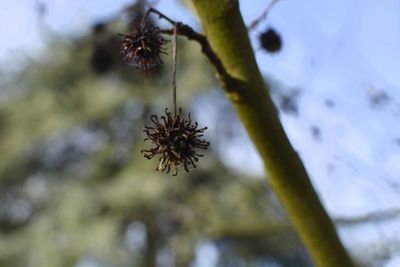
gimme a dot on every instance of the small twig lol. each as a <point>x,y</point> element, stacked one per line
<point>372,217</point>
<point>161,15</point>
<point>188,32</point>
<point>174,63</point>
<point>262,17</point>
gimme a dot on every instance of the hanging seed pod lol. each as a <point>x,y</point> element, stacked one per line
<point>104,56</point>
<point>143,46</point>
<point>271,41</point>
<point>176,140</point>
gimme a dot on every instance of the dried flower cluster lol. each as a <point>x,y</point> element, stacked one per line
<point>175,139</point>
<point>143,46</point>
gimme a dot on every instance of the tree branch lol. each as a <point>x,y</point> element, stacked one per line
<point>227,36</point>
<point>189,33</point>
<point>372,217</point>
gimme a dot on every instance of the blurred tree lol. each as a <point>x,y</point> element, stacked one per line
<point>75,190</point>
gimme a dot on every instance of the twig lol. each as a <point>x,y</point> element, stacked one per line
<point>373,217</point>
<point>262,17</point>
<point>174,63</point>
<point>189,33</point>
<point>161,15</point>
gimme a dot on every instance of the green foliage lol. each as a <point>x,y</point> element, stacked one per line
<point>73,182</point>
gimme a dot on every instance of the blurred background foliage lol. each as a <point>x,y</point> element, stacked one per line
<point>76,191</point>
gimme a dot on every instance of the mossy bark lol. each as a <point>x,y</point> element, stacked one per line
<point>227,34</point>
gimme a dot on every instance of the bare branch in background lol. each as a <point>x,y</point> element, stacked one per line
<point>262,17</point>
<point>372,217</point>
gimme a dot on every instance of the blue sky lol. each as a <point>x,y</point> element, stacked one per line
<point>343,50</point>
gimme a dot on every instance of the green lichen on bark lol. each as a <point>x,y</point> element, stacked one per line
<point>227,34</point>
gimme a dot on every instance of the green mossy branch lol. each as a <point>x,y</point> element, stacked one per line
<point>244,86</point>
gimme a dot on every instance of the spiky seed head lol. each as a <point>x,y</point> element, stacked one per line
<point>143,46</point>
<point>176,139</point>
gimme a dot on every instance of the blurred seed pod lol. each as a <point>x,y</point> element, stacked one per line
<point>99,27</point>
<point>270,40</point>
<point>142,47</point>
<point>104,55</point>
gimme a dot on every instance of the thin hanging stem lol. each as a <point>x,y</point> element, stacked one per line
<point>174,50</point>
<point>174,63</point>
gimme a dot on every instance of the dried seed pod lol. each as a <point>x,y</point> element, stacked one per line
<point>104,55</point>
<point>271,41</point>
<point>176,140</point>
<point>143,46</point>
